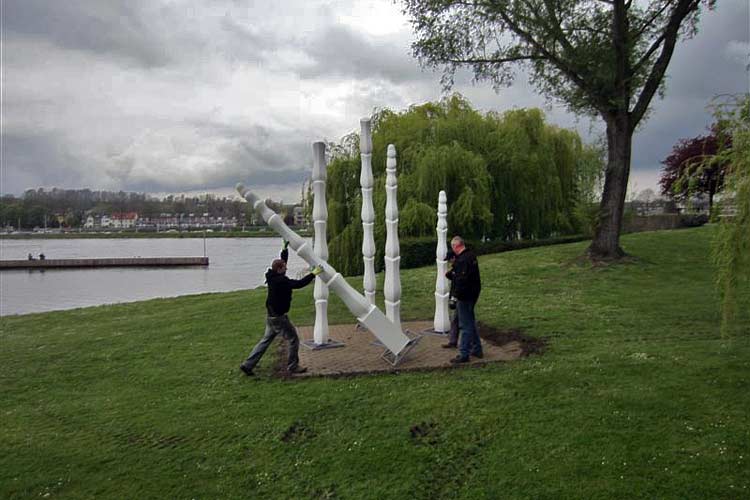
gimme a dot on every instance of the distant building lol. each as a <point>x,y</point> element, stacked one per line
<point>299,216</point>
<point>698,204</point>
<point>124,220</point>
<point>655,207</point>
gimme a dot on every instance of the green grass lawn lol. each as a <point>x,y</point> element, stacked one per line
<point>637,395</point>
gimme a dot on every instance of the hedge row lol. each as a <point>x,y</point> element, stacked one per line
<point>419,252</point>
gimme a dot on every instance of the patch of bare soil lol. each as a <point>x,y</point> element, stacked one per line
<point>361,356</point>
<point>425,433</point>
<point>297,432</point>
<point>498,337</point>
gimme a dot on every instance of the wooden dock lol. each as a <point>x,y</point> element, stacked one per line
<point>117,262</point>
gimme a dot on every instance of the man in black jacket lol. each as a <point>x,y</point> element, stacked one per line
<point>278,303</point>
<point>467,285</point>
<point>453,332</point>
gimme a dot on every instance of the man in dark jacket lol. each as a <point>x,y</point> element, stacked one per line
<point>453,332</point>
<point>278,303</point>
<point>467,285</point>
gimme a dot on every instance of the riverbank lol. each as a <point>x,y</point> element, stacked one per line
<point>636,395</point>
<point>261,233</point>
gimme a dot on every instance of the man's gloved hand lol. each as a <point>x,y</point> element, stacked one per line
<point>285,245</point>
<point>316,270</point>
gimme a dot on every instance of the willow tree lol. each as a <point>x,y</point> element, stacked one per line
<point>731,249</point>
<point>600,57</point>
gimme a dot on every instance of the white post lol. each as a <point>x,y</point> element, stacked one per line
<point>442,322</point>
<point>389,334</point>
<point>368,211</point>
<point>320,221</point>
<point>392,285</point>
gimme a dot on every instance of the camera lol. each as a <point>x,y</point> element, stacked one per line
<point>452,303</point>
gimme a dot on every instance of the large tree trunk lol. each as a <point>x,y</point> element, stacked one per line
<point>606,242</point>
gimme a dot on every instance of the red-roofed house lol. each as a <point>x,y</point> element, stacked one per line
<point>124,220</point>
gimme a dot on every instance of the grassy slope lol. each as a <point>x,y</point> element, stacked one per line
<point>637,396</point>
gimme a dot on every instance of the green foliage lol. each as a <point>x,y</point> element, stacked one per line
<point>731,250</point>
<point>344,248</point>
<point>417,218</point>
<point>506,176</point>
<point>464,177</point>
<point>601,58</point>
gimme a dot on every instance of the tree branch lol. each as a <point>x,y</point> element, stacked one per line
<point>552,58</point>
<point>649,52</point>
<point>622,64</point>
<point>500,60</point>
<point>555,27</point>
<point>648,23</point>
<point>680,12</point>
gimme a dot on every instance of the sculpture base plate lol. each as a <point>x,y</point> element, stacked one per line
<point>331,344</point>
<point>432,331</point>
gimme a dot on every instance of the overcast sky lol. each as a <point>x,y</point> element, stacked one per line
<point>170,96</point>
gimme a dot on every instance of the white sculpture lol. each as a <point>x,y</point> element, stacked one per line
<point>368,211</point>
<point>320,221</point>
<point>388,333</point>
<point>392,285</point>
<point>442,323</point>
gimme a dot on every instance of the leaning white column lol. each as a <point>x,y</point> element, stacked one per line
<point>368,211</point>
<point>392,285</point>
<point>320,221</point>
<point>389,334</point>
<point>442,322</point>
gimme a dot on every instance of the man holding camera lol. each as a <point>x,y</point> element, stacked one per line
<point>466,285</point>
<point>453,332</point>
<point>278,303</point>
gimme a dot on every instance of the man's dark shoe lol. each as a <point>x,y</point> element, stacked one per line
<point>459,359</point>
<point>247,371</point>
<point>449,346</point>
<point>297,370</point>
<point>479,355</point>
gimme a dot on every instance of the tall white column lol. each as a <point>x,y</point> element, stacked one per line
<point>392,286</point>
<point>442,322</point>
<point>320,221</point>
<point>389,334</point>
<point>368,211</point>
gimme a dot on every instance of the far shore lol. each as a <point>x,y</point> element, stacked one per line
<point>148,234</point>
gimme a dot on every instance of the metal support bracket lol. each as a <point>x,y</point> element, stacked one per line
<point>396,359</point>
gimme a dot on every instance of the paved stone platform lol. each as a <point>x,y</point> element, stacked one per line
<point>360,356</point>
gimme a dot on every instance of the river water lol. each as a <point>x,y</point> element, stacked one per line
<point>235,264</point>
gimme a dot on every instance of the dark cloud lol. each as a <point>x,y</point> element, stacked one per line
<point>262,157</point>
<point>701,69</point>
<point>339,51</point>
<point>116,28</point>
<point>27,158</point>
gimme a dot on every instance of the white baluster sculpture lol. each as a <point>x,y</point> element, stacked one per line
<point>390,335</point>
<point>368,211</point>
<point>392,285</point>
<point>320,221</point>
<point>442,322</point>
